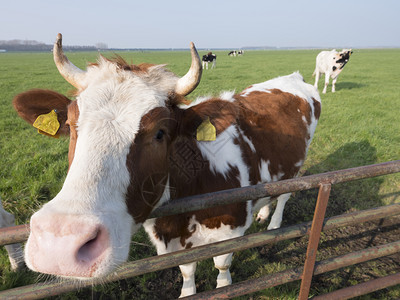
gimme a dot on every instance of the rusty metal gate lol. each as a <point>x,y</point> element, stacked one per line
<point>313,229</point>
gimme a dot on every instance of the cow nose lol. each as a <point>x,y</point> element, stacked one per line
<point>65,245</point>
<point>91,248</point>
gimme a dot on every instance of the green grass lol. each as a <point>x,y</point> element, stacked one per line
<point>359,125</point>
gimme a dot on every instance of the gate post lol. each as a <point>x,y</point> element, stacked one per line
<point>315,234</point>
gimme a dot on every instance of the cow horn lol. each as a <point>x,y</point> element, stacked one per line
<point>189,82</point>
<point>68,70</point>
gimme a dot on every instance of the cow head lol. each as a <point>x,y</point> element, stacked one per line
<point>120,126</point>
<point>343,57</point>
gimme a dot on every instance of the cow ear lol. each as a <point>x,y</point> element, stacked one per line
<point>187,121</point>
<point>206,120</point>
<point>34,103</point>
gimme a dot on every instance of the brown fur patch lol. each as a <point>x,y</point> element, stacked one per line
<point>317,108</point>
<point>147,163</point>
<point>73,115</point>
<point>123,65</point>
<point>274,125</point>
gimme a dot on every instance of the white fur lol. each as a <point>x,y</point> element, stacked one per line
<point>264,171</point>
<point>197,101</point>
<point>293,84</point>
<point>265,203</point>
<point>247,140</point>
<point>276,218</point>
<point>227,96</point>
<point>189,285</point>
<point>223,263</point>
<point>263,207</point>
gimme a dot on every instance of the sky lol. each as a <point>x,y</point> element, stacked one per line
<point>209,24</point>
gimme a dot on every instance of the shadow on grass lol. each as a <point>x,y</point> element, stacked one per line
<point>344,197</point>
<point>349,85</point>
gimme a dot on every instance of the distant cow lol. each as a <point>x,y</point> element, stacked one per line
<point>136,142</point>
<point>208,58</point>
<point>14,251</point>
<point>236,53</point>
<point>331,63</point>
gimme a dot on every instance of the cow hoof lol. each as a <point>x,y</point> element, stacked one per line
<point>272,227</point>
<point>260,220</point>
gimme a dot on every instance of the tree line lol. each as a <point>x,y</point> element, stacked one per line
<point>31,45</point>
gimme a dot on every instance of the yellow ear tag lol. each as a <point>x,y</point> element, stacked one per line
<point>47,124</point>
<point>206,131</point>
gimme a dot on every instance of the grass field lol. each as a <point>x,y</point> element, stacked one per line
<point>359,125</point>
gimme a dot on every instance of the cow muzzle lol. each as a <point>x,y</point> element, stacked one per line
<point>68,245</point>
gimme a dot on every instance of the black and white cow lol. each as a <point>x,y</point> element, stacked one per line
<point>236,53</point>
<point>209,58</point>
<point>331,63</point>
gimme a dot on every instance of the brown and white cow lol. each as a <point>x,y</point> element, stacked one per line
<point>135,143</point>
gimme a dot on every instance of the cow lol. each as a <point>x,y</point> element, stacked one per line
<point>15,253</point>
<point>208,58</point>
<point>136,142</point>
<point>331,63</point>
<point>236,53</point>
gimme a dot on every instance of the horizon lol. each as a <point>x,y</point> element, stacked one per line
<point>220,25</point>
<point>28,43</point>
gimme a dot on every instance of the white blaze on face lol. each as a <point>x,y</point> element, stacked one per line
<point>87,224</point>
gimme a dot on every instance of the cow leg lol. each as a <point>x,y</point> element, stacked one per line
<point>276,219</point>
<point>326,83</point>
<point>15,253</point>
<point>317,76</point>
<point>189,285</point>
<point>223,263</point>
<point>265,210</point>
<point>333,84</point>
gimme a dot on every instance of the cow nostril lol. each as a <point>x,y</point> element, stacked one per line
<point>91,249</point>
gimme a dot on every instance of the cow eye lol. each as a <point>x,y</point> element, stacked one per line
<point>160,134</point>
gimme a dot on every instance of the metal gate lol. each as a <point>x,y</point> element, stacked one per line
<point>313,229</point>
